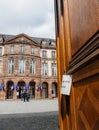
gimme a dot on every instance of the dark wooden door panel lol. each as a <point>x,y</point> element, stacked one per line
<point>87,103</point>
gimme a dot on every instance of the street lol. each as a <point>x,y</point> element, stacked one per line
<point>33,121</point>
<point>33,115</point>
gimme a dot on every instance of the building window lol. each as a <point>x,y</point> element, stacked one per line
<point>44,42</point>
<point>53,69</point>
<point>0,51</point>
<point>32,50</point>
<point>44,69</point>
<point>22,66</point>
<point>11,48</point>
<point>44,53</point>
<point>53,54</point>
<point>11,66</point>
<point>32,67</point>
<point>22,48</point>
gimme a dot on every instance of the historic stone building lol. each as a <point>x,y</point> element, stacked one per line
<point>25,60</point>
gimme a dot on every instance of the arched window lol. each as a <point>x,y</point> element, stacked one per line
<point>32,67</point>
<point>11,66</point>
<point>22,66</point>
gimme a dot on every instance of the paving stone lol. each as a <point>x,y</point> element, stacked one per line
<point>30,121</point>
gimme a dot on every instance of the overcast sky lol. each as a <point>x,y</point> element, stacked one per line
<point>32,17</point>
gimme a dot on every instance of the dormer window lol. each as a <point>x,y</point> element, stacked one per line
<point>43,42</point>
<point>12,49</point>
<point>1,39</point>
<point>53,43</point>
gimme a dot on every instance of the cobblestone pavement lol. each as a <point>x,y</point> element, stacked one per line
<point>32,115</point>
<point>30,121</point>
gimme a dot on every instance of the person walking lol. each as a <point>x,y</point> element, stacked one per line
<point>28,96</point>
<point>24,95</point>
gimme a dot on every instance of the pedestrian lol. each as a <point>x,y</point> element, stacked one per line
<point>28,96</point>
<point>24,95</point>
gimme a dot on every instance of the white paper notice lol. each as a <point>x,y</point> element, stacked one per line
<point>66,84</point>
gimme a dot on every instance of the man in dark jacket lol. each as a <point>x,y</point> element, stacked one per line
<point>24,96</point>
<point>28,97</point>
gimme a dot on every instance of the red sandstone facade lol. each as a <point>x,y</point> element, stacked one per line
<point>18,55</point>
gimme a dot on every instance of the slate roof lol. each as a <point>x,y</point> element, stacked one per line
<point>39,40</point>
<point>6,37</point>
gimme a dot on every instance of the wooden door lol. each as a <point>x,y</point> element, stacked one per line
<point>77,39</point>
<point>86,105</point>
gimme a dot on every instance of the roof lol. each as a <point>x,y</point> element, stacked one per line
<point>48,40</point>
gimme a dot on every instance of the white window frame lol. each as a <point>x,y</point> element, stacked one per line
<point>22,48</point>
<point>32,50</point>
<point>44,53</point>
<point>53,54</point>
<point>54,72</point>
<point>32,67</point>
<point>44,68</point>
<point>11,66</point>
<point>11,48</point>
<point>22,66</point>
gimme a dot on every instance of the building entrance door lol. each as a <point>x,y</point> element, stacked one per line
<point>54,90</point>
<point>9,93</point>
<point>32,89</point>
<point>44,92</point>
<point>21,85</point>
